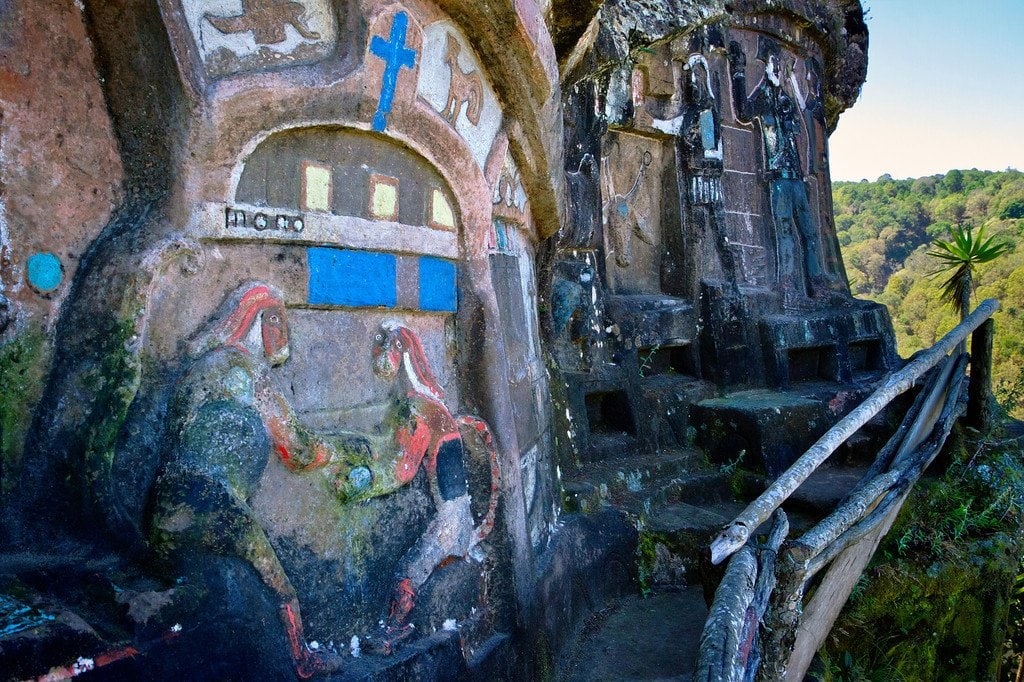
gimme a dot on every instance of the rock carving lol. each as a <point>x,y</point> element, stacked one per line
<point>226,420</point>
<point>396,56</point>
<point>794,222</point>
<point>425,433</point>
<point>627,214</point>
<point>267,19</point>
<point>701,135</point>
<point>465,87</point>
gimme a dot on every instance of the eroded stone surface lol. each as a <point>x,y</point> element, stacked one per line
<point>59,168</point>
<point>642,639</point>
<point>316,379</point>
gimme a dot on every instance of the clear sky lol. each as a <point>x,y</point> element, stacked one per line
<point>945,89</point>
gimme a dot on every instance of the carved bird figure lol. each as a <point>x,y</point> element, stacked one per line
<point>267,19</point>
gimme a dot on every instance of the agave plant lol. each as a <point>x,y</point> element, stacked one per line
<point>960,257</point>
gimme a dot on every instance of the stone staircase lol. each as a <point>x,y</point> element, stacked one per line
<point>678,500</point>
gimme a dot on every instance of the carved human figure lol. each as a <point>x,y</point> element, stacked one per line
<point>226,419</point>
<point>778,119</point>
<point>573,310</point>
<point>417,431</point>
<point>813,108</point>
<point>701,127</point>
<point>701,138</point>
<point>585,194</point>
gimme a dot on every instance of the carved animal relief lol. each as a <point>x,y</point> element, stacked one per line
<point>465,88</point>
<point>239,35</point>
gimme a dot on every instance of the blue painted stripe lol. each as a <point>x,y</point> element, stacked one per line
<point>351,278</point>
<point>437,285</point>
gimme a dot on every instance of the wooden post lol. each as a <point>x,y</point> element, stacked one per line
<point>842,575</point>
<point>720,643</point>
<point>763,588</point>
<point>783,617</point>
<point>821,612</point>
<point>845,517</point>
<point>979,390</point>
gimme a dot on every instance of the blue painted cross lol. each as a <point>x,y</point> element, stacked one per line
<point>395,55</point>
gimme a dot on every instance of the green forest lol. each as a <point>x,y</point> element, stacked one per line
<point>886,229</point>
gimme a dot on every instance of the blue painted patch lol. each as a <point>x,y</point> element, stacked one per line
<point>707,130</point>
<point>351,278</point>
<point>45,272</point>
<point>437,285</point>
<point>360,478</point>
<point>396,56</point>
<point>16,616</point>
<point>500,235</point>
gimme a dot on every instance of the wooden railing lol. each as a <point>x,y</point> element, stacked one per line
<point>736,534</point>
<point>758,626</point>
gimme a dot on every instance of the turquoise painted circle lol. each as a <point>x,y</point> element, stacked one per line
<point>44,272</point>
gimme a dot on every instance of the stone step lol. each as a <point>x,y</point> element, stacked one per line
<point>862,447</point>
<point>819,495</point>
<point>626,479</point>
<point>667,398</point>
<point>825,489</point>
<point>673,545</point>
<point>675,537</point>
<point>606,446</point>
<point>717,485</point>
<point>705,488</point>
<point>637,638</point>
<point>759,429</point>
<point>680,502</point>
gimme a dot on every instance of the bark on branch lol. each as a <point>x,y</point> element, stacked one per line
<point>720,643</point>
<point>844,517</point>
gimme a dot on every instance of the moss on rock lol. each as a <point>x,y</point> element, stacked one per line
<point>23,364</point>
<point>934,603</point>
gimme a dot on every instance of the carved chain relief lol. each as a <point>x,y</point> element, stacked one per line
<point>242,35</point>
<point>631,176</point>
<point>627,213</point>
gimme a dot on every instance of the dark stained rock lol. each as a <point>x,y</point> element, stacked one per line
<point>307,307</point>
